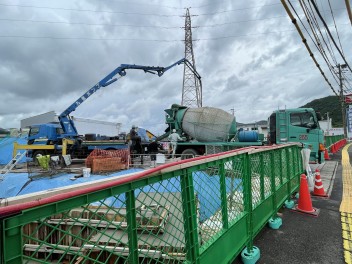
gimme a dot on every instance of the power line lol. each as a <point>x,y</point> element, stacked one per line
<point>89,10</point>
<point>149,40</point>
<point>314,23</point>
<point>294,21</point>
<point>86,38</point>
<point>86,24</point>
<point>333,17</point>
<point>332,38</point>
<point>237,9</point>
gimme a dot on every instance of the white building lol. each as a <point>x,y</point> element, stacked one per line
<point>83,125</point>
<point>261,127</point>
<point>326,126</point>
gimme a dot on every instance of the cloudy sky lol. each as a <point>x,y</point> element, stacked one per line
<point>249,54</point>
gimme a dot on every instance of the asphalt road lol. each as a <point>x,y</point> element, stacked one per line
<point>305,239</point>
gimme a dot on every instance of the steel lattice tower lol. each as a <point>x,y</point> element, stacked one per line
<point>192,88</point>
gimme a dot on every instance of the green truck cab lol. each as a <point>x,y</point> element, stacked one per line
<point>298,125</point>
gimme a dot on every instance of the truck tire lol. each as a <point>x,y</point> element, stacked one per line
<point>188,154</point>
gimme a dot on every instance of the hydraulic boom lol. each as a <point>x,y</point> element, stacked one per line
<point>67,123</point>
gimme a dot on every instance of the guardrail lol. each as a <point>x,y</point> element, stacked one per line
<point>330,140</point>
<point>201,210</point>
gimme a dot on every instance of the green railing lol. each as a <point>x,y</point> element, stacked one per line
<point>329,140</point>
<point>203,210</point>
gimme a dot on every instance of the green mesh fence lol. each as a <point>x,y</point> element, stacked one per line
<point>205,210</point>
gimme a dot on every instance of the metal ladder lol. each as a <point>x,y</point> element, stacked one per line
<point>282,128</point>
<point>9,166</point>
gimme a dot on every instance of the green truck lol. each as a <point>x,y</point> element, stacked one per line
<point>207,130</point>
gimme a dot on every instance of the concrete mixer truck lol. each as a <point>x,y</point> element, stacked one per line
<point>207,130</point>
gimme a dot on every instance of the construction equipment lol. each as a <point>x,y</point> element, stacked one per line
<point>298,125</point>
<point>207,130</point>
<point>53,134</point>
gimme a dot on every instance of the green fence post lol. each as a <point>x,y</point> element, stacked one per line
<point>224,213</point>
<point>273,184</point>
<point>190,217</point>
<point>132,226</point>
<point>288,171</point>
<point>280,167</point>
<point>11,249</point>
<point>247,196</point>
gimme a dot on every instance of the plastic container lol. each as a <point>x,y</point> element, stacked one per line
<point>247,136</point>
<point>86,172</point>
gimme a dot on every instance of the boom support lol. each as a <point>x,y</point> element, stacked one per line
<point>67,123</point>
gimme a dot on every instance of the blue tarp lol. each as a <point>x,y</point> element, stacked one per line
<point>6,148</point>
<point>207,188</point>
<point>15,184</point>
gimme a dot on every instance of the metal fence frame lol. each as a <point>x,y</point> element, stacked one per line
<point>276,170</point>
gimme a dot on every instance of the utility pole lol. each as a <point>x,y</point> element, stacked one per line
<point>342,100</point>
<point>192,88</point>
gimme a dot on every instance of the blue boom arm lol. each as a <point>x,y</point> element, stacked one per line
<point>67,123</point>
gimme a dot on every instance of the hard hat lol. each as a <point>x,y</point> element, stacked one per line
<point>174,130</point>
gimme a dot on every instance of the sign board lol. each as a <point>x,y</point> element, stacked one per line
<point>349,119</point>
<point>348,98</point>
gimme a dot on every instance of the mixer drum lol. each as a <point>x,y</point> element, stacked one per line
<point>208,124</point>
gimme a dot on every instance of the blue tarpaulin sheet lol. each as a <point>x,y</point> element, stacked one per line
<point>14,184</point>
<point>6,148</point>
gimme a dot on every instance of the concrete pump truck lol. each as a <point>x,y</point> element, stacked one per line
<point>63,138</point>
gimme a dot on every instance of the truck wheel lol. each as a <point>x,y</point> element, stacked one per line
<point>188,154</point>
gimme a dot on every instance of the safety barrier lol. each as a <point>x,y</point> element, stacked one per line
<point>336,146</point>
<point>201,210</point>
<point>330,140</point>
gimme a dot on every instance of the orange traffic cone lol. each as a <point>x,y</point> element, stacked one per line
<point>318,185</point>
<point>326,154</point>
<point>304,200</point>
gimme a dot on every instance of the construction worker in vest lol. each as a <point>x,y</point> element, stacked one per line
<point>174,137</point>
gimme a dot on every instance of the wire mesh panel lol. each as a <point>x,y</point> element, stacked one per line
<point>284,165</point>
<point>207,190</point>
<point>160,230</point>
<point>87,234</point>
<point>277,169</point>
<point>266,169</point>
<point>256,179</point>
<point>234,174</point>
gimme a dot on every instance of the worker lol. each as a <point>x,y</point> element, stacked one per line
<point>135,144</point>
<point>174,137</point>
<point>132,137</point>
<point>153,149</point>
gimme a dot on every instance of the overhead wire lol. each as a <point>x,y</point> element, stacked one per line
<point>313,23</point>
<point>89,10</point>
<point>332,38</point>
<point>87,24</point>
<point>329,47</point>
<point>294,21</point>
<point>337,32</point>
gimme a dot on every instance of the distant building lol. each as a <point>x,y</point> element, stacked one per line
<point>326,126</point>
<point>83,125</point>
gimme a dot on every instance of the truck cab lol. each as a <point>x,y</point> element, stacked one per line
<point>45,134</point>
<point>298,125</point>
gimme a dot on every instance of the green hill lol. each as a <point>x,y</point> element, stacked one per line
<point>330,104</point>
